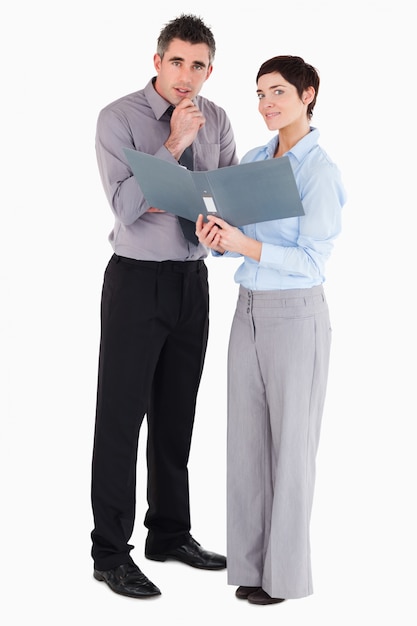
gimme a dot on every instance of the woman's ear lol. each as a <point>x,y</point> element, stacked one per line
<point>308,95</point>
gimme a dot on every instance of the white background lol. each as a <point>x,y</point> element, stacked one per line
<point>61,63</point>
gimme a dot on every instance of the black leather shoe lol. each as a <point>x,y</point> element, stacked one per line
<point>128,580</point>
<point>261,597</point>
<point>243,592</point>
<point>192,554</point>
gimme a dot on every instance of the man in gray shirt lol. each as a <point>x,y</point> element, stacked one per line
<point>154,313</point>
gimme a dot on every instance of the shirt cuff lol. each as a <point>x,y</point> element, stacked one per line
<point>272,255</point>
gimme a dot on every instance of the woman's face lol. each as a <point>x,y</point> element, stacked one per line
<point>279,102</point>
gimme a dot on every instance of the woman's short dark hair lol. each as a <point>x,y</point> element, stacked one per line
<point>297,72</point>
<point>187,28</point>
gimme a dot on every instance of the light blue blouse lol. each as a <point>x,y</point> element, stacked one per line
<point>295,250</point>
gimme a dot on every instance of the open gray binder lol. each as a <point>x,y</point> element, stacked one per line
<point>240,194</point>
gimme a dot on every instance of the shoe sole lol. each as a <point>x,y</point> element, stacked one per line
<point>162,558</point>
<point>266,602</point>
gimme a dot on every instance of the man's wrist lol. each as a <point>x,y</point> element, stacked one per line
<point>174,148</point>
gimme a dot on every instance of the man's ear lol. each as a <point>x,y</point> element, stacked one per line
<point>209,71</point>
<point>157,62</point>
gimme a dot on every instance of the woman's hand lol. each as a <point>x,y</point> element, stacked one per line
<point>220,236</point>
<point>208,234</point>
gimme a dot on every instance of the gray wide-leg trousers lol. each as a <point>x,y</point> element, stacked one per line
<point>277,375</point>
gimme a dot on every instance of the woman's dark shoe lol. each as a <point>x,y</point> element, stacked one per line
<point>261,597</point>
<point>243,592</point>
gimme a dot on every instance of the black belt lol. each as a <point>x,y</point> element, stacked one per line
<point>173,266</point>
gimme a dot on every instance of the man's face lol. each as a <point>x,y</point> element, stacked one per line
<point>182,70</point>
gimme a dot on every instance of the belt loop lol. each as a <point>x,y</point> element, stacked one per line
<point>250,301</point>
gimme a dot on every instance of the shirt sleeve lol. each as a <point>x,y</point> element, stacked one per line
<point>322,195</point>
<point>123,193</point>
<point>228,153</point>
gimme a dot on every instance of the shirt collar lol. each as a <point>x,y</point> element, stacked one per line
<point>300,149</point>
<point>157,103</point>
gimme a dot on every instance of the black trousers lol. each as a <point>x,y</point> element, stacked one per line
<point>154,328</point>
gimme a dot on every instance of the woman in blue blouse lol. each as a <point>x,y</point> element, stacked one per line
<point>279,349</point>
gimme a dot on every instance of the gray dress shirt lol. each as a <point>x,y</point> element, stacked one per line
<point>139,121</point>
